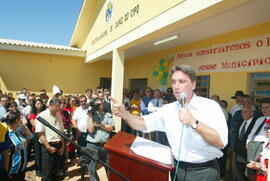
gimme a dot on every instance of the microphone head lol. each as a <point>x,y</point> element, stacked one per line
<point>183,95</point>
<point>183,99</point>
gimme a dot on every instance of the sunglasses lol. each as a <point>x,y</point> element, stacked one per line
<point>83,101</point>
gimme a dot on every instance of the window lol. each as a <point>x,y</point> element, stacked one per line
<point>202,85</point>
<point>140,84</point>
<point>105,82</point>
<point>259,86</point>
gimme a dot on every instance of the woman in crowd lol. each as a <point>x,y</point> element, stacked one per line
<point>66,118</point>
<point>18,148</point>
<point>135,104</point>
<point>22,128</point>
<point>134,109</point>
<point>72,104</point>
<point>10,96</point>
<point>37,107</point>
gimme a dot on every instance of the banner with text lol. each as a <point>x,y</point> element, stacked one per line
<point>245,55</point>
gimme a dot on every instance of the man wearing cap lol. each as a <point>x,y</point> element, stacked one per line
<point>238,95</point>
<point>21,102</point>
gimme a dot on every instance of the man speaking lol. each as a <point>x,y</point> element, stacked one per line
<point>196,129</point>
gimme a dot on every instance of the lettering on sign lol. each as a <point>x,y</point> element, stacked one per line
<point>252,54</point>
<point>127,16</point>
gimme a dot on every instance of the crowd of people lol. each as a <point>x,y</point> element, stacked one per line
<point>247,123</point>
<point>87,119</point>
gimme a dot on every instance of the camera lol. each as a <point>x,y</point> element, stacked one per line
<point>93,107</point>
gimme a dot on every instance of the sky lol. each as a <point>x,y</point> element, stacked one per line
<point>43,21</point>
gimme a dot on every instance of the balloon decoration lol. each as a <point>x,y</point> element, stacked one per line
<point>155,73</point>
<point>161,71</point>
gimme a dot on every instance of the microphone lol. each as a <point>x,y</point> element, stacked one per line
<point>183,98</point>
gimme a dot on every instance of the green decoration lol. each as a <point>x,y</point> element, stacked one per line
<point>163,81</point>
<point>155,74</point>
<point>165,74</point>
<point>161,61</point>
<point>166,69</point>
<point>161,67</point>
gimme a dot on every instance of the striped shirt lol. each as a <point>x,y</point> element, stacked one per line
<point>18,153</point>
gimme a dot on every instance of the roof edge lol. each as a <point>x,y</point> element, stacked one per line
<point>24,46</point>
<point>77,23</point>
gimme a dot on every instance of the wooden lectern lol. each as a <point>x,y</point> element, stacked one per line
<point>134,167</point>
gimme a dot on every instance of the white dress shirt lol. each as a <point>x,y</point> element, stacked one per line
<point>25,113</point>
<point>55,121</point>
<point>247,125</point>
<point>262,134</point>
<point>194,148</point>
<point>155,104</point>
<point>80,115</point>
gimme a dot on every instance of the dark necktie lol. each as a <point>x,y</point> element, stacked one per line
<point>242,132</point>
<point>157,104</point>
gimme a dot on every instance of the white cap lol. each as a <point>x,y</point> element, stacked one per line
<point>56,90</point>
<point>21,96</point>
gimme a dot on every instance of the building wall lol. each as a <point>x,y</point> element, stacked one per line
<point>221,83</point>
<point>37,71</point>
<point>126,16</point>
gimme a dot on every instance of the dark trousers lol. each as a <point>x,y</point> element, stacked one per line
<point>37,152</point>
<point>49,163</point>
<point>17,177</point>
<point>3,175</point>
<point>207,173</point>
<point>222,161</point>
<point>82,142</point>
<point>14,177</point>
<point>101,154</point>
<point>239,171</point>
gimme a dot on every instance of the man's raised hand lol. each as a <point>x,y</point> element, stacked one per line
<point>118,109</point>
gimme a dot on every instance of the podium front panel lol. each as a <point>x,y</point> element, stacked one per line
<point>134,167</point>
